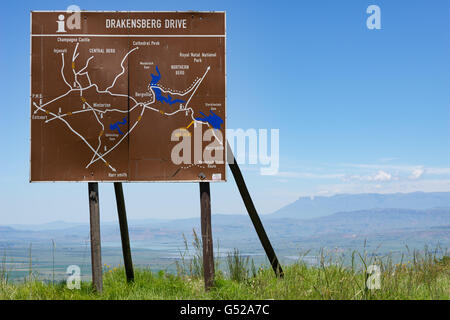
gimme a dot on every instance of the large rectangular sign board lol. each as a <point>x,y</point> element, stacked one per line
<point>127,96</point>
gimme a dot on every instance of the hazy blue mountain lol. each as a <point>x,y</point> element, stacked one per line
<point>307,208</point>
<point>55,225</point>
<point>361,222</point>
<point>417,218</point>
<point>238,228</point>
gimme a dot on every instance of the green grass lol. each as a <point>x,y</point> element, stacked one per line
<point>423,278</point>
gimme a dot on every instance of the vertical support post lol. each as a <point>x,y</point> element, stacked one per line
<point>208,256</point>
<point>253,213</point>
<point>96,256</point>
<point>126,250</point>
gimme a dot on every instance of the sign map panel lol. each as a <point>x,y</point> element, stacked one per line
<point>127,96</point>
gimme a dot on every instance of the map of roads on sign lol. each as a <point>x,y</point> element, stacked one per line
<point>127,96</point>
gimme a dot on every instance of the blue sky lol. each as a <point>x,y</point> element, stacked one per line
<point>358,110</point>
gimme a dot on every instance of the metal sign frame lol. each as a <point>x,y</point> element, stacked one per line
<point>225,149</point>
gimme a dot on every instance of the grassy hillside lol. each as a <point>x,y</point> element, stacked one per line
<point>422,278</point>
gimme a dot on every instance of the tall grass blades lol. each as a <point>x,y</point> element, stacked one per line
<point>237,266</point>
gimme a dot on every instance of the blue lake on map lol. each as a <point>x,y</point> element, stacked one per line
<point>158,93</point>
<point>213,119</point>
<point>115,126</point>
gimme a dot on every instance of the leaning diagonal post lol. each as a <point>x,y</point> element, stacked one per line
<point>253,213</point>
<point>123,224</point>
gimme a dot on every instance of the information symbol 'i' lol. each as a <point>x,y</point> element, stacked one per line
<point>61,23</point>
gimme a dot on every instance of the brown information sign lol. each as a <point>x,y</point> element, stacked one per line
<point>127,96</point>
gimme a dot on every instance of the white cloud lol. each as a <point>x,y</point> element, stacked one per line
<point>310,175</point>
<point>329,179</point>
<point>379,176</point>
<point>382,176</point>
<point>376,174</point>
<point>391,187</point>
<point>417,173</point>
<point>379,166</point>
<point>442,171</point>
<point>405,169</point>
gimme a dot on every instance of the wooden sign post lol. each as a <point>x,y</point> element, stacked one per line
<point>96,256</point>
<point>206,229</point>
<point>207,241</point>
<point>126,250</point>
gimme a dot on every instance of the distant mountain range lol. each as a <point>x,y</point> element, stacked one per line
<point>335,225</point>
<point>342,220</point>
<point>314,207</point>
<point>362,222</point>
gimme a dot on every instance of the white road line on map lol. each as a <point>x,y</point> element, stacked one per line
<point>87,75</point>
<point>124,136</point>
<point>123,68</point>
<point>207,69</point>
<point>190,109</point>
<point>113,94</point>
<point>99,136</point>
<point>96,155</point>
<point>81,90</point>
<point>77,82</point>
<point>68,125</point>
<point>78,111</point>
<point>118,110</point>
<point>147,107</point>
<point>57,98</point>
<point>75,74</point>
<point>123,95</point>
<point>65,115</point>
<point>202,122</point>
<point>171,114</point>
<point>174,93</point>
<point>95,114</point>
<point>87,63</point>
<point>75,55</point>
<point>62,71</point>
<point>101,111</point>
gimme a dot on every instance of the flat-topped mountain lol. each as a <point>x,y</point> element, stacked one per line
<point>313,207</point>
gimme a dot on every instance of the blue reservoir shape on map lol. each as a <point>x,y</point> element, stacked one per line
<point>169,100</point>
<point>115,126</point>
<point>155,77</point>
<point>213,119</point>
<point>158,92</point>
